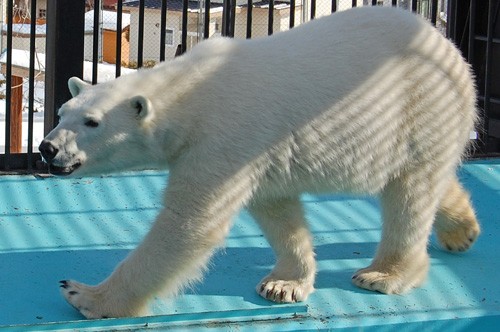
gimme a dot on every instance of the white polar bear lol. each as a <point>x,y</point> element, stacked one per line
<point>368,101</point>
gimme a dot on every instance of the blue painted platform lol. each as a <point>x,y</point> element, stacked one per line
<point>53,229</point>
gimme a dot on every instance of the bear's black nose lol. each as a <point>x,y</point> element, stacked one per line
<point>48,151</point>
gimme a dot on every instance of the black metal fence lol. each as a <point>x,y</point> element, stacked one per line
<point>132,34</point>
<point>11,130</point>
<point>475,28</point>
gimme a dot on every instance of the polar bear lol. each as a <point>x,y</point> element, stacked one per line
<point>367,101</point>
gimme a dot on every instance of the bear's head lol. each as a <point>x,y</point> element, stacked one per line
<point>102,129</point>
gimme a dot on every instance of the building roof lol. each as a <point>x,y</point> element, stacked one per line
<point>110,3</point>
<point>193,5</point>
<point>21,63</point>
<point>265,4</point>
<point>108,20</point>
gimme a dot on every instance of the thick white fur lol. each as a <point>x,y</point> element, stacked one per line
<point>369,101</point>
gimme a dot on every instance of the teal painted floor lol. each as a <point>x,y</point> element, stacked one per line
<point>53,229</point>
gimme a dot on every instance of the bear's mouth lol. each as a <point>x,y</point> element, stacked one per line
<point>63,171</point>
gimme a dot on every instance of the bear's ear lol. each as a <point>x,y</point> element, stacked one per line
<point>142,107</point>
<point>76,86</point>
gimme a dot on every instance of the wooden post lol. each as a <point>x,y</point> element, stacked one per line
<point>16,115</point>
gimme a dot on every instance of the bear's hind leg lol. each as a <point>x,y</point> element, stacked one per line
<point>284,226</point>
<point>456,224</point>
<point>409,205</point>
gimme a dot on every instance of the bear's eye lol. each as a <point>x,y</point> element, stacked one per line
<point>91,123</point>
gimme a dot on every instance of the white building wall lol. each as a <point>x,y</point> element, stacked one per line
<point>152,19</point>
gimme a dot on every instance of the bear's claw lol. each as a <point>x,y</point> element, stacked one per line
<point>284,291</point>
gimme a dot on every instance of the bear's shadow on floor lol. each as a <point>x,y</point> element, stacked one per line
<point>233,272</point>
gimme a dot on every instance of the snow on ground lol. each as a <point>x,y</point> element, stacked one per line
<point>37,117</point>
<point>37,129</point>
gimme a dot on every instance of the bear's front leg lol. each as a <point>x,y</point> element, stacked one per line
<point>173,253</point>
<point>283,223</point>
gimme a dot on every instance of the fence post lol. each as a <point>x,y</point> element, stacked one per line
<point>16,116</point>
<point>64,53</point>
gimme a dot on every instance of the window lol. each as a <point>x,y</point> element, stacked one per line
<point>169,37</point>
<point>42,13</point>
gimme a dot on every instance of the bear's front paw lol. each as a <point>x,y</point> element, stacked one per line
<point>284,291</point>
<point>99,301</point>
<point>86,299</point>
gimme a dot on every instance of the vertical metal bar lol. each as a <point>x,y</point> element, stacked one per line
<point>31,85</point>
<point>233,18</point>
<point>354,3</point>
<point>334,5</point>
<point>95,43</point>
<point>470,59</point>
<point>65,26</point>
<point>394,3</point>
<point>434,9</point>
<point>140,35</point>
<point>225,17</point>
<point>163,29</point>
<point>249,18</point>
<point>313,9</point>
<point>472,32</point>
<point>487,72</point>
<point>228,17</point>
<point>206,24</point>
<point>374,2</point>
<point>414,5</point>
<point>291,24</point>
<point>451,29</point>
<point>185,4</point>
<point>8,85</point>
<point>270,18</point>
<point>119,31</point>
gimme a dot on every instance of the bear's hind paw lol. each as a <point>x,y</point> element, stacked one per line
<point>459,238</point>
<point>387,283</point>
<point>284,291</point>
